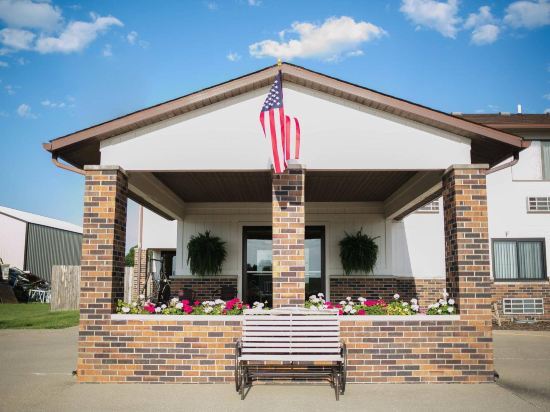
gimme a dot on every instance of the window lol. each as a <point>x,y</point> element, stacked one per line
<point>432,207</point>
<point>538,204</point>
<point>545,152</point>
<point>518,259</point>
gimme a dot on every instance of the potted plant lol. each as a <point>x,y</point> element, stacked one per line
<point>205,254</point>
<point>358,252</point>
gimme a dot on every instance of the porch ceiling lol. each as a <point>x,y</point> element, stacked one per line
<point>344,186</point>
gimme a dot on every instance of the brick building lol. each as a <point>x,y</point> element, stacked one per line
<point>368,161</point>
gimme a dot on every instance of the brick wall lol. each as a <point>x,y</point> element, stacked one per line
<point>103,251</point>
<point>178,350</point>
<point>205,287</point>
<point>140,272</point>
<point>427,291</point>
<point>522,290</point>
<point>288,237</point>
<point>467,261</point>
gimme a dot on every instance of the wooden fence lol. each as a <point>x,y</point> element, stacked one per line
<point>65,286</point>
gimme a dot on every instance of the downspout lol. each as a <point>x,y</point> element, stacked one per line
<point>67,167</point>
<point>505,165</point>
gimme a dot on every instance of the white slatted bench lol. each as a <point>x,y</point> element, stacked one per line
<point>272,341</point>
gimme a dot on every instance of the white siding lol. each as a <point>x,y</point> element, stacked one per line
<point>336,134</point>
<point>158,232</point>
<point>12,240</point>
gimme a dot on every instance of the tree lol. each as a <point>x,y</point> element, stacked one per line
<point>130,256</point>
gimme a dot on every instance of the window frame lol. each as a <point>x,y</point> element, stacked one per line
<point>517,240</point>
<point>545,172</point>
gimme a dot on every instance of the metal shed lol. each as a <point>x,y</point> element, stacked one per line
<point>36,243</point>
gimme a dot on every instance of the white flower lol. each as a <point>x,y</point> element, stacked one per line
<point>219,302</point>
<point>348,298</point>
<point>163,306</point>
<point>320,295</point>
<point>435,305</point>
<point>451,301</point>
<point>142,296</point>
<point>312,297</point>
<point>396,296</point>
<point>405,304</point>
<point>361,299</point>
<point>439,311</point>
<point>258,305</point>
<point>414,301</point>
<point>157,310</point>
<point>208,309</point>
<point>442,302</point>
<point>134,304</point>
<point>450,309</point>
<point>415,308</point>
<point>179,305</point>
<point>126,309</point>
<point>352,311</point>
<point>445,294</point>
<point>173,301</point>
<point>343,302</point>
<point>348,308</point>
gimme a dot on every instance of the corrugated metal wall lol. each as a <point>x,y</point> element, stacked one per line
<point>47,246</point>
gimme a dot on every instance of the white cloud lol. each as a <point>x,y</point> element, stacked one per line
<point>76,36</point>
<point>4,64</point>
<point>355,53</point>
<point>254,2</point>
<point>485,30</point>
<point>24,110</point>
<point>212,5</point>
<point>107,50</point>
<point>133,39</point>
<point>30,14</point>
<point>53,105</point>
<point>233,57</point>
<point>547,96</point>
<point>10,89</point>
<point>436,15</point>
<point>329,41</point>
<point>17,39</point>
<point>528,14</point>
<point>486,34</point>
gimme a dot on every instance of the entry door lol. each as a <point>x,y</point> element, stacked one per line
<point>258,263</point>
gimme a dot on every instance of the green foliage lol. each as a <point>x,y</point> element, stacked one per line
<point>205,254</point>
<point>358,252</point>
<point>35,316</point>
<point>398,307</point>
<point>130,256</point>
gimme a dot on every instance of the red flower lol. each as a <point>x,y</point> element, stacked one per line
<point>185,302</point>
<point>361,312</point>
<point>196,303</point>
<point>340,312</point>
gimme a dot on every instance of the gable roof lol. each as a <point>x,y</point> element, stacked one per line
<point>39,220</point>
<point>488,145</point>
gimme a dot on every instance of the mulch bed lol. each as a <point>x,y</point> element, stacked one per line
<point>536,326</point>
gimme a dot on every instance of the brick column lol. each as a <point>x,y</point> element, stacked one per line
<point>288,237</point>
<point>103,248</point>
<point>140,272</point>
<point>467,259</point>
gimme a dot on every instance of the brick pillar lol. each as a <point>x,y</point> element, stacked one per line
<point>288,237</point>
<point>467,258</point>
<point>140,272</point>
<point>103,247</point>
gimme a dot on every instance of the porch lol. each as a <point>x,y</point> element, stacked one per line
<point>368,160</point>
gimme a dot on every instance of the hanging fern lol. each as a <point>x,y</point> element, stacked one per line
<point>358,252</point>
<point>205,254</point>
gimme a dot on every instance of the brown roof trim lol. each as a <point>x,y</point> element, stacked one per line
<point>294,74</point>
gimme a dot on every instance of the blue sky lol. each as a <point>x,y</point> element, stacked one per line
<point>67,65</point>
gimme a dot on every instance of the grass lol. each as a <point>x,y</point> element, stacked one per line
<point>35,316</point>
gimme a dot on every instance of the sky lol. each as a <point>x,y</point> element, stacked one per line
<point>65,66</point>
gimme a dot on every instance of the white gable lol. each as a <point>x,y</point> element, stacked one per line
<point>336,135</point>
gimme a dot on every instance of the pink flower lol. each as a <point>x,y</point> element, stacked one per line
<point>185,302</point>
<point>361,312</point>
<point>340,312</point>
<point>197,303</point>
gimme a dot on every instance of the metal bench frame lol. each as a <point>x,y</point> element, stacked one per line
<point>285,344</point>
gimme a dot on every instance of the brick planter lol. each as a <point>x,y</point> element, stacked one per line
<point>205,287</point>
<point>199,349</point>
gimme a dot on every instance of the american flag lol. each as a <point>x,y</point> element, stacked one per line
<point>280,128</point>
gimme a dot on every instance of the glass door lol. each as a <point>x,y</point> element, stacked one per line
<point>257,263</point>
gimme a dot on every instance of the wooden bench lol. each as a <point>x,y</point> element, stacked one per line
<point>292,344</point>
